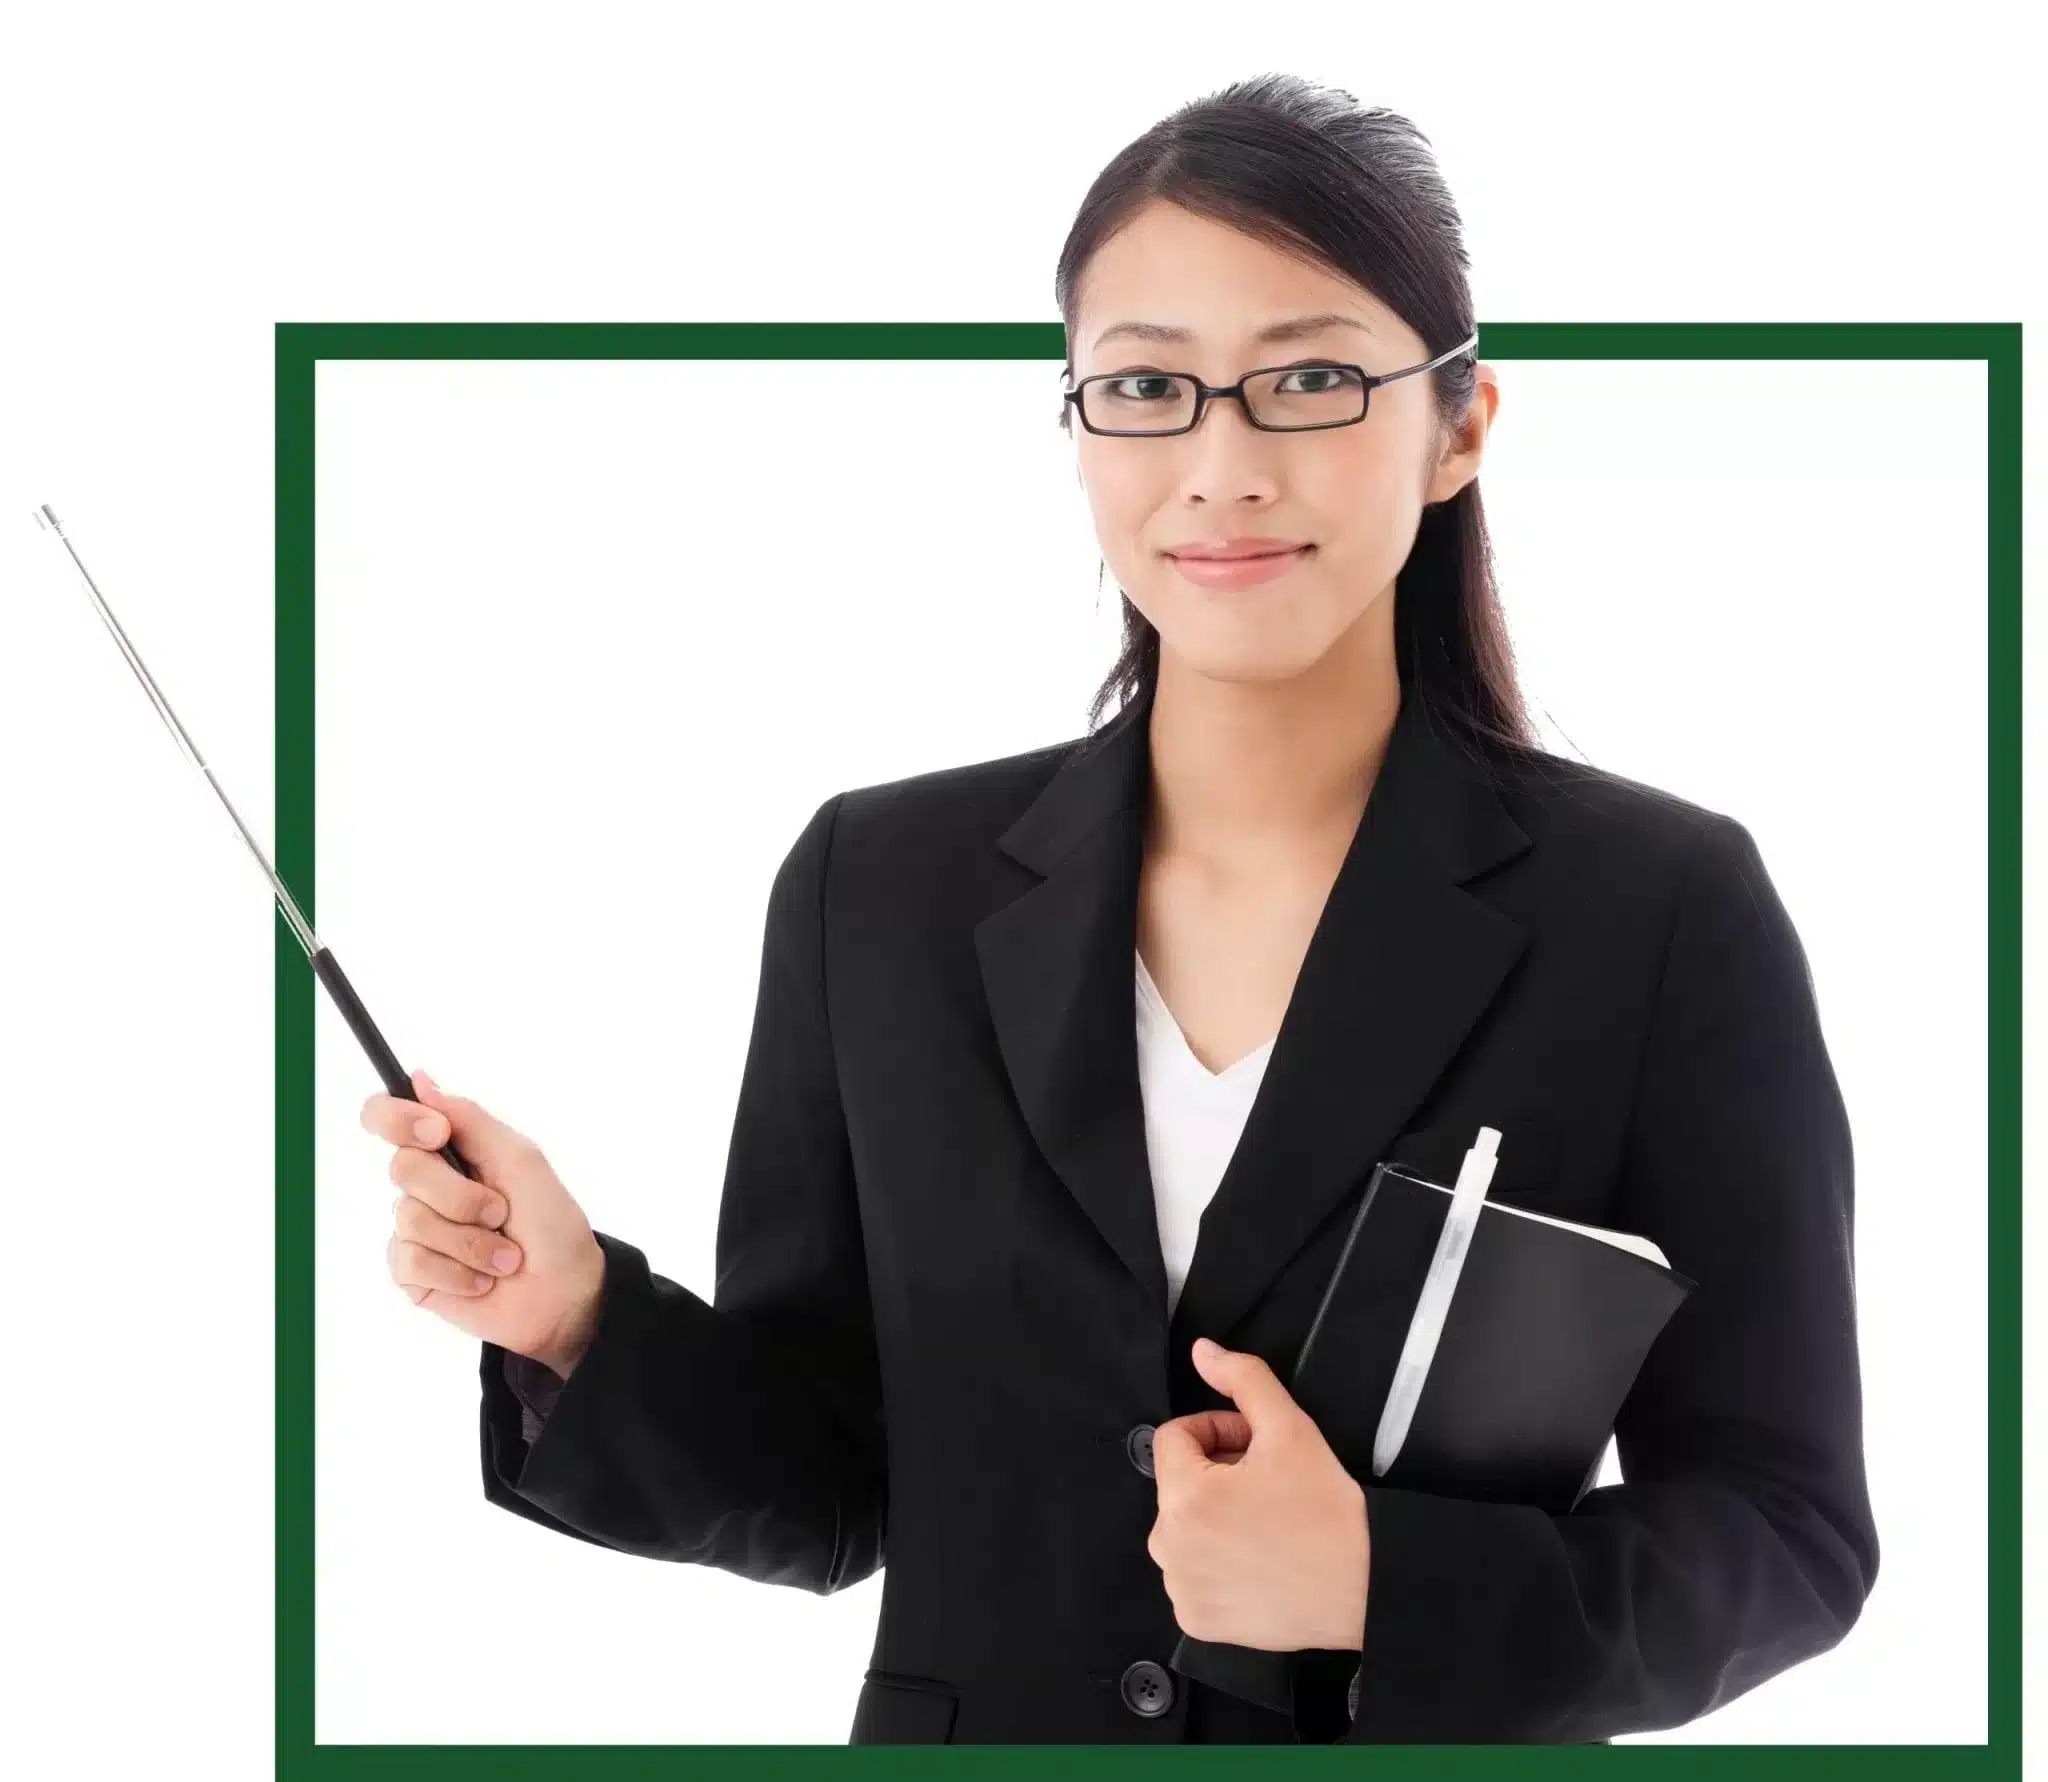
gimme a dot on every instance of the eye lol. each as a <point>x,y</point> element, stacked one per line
<point>1339,377</point>
<point>1156,386</point>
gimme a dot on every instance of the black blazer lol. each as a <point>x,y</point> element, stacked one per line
<point>938,1335</point>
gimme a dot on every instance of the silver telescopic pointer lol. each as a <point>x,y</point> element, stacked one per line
<point>397,1081</point>
<point>47,519</point>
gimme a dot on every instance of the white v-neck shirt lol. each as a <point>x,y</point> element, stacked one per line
<point>1193,1119</point>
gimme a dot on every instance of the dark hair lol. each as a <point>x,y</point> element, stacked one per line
<point>1307,168</point>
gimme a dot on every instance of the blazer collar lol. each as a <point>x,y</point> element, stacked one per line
<point>1402,963</point>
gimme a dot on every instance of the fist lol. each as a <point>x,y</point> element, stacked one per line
<point>508,1258</point>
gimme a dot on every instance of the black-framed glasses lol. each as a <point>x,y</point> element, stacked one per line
<point>1297,398</point>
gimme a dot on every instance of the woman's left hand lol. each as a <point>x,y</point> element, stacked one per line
<point>1261,1533</point>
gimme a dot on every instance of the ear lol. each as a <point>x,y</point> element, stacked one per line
<point>1460,446</point>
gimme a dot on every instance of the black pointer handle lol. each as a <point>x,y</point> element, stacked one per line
<point>396,1080</point>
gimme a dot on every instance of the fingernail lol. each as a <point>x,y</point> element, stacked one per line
<point>430,1083</point>
<point>483,1280</point>
<point>503,1259</point>
<point>424,1129</point>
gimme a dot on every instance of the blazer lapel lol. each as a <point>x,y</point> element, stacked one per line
<point>1059,968</point>
<point>1402,963</point>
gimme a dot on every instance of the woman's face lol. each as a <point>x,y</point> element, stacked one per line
<point>1355,494</point>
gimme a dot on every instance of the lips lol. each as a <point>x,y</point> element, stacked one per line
<point>1239,571</point>
<point>1238,551</point>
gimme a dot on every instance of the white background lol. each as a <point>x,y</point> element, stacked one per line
<point>588,656</point>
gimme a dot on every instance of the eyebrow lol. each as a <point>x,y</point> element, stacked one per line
<point>1294,329</point>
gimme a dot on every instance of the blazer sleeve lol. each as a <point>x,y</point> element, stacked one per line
<point>744,1432</point>
<point>1741,1540</point>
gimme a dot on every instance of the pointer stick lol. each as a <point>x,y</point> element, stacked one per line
<point>325,968</point>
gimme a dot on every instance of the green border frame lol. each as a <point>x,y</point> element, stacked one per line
<point>300,346</point>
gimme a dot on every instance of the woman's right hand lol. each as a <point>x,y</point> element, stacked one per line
<point>508,1258</point>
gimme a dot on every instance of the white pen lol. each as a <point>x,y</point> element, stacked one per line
<point>1435,1302</point>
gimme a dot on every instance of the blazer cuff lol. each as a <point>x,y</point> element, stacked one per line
<point>536,1386</point>
<point>1325,1694</point>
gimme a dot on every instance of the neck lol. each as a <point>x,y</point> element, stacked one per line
<point>1260,768</point>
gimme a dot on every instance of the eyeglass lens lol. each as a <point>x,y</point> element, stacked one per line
<point>1162,402</point>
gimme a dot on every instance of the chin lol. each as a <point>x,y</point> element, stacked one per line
<point>1244,659</point>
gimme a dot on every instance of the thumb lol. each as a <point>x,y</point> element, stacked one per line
<point>1249,1383</point>
<point>479,1135</point>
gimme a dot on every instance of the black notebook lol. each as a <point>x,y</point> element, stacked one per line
<point>1545,1333</point>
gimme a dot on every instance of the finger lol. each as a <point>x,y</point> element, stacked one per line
<point>412,1125</point>
<point>1255,1388</point>
<point>428,1176</point>
<point>1213,1434</point>
<point>1177,1454</point>
<point>415,1294</point>
<point>1220,1431</point>
<point>414,1265</point>
<point>488,1142</point>
<point>393,1118</point>
<point>488,1252</point>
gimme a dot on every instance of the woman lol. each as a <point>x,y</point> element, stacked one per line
<point>1063,1061</point>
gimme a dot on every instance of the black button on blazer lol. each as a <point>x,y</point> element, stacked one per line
<point>940,1305</point>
